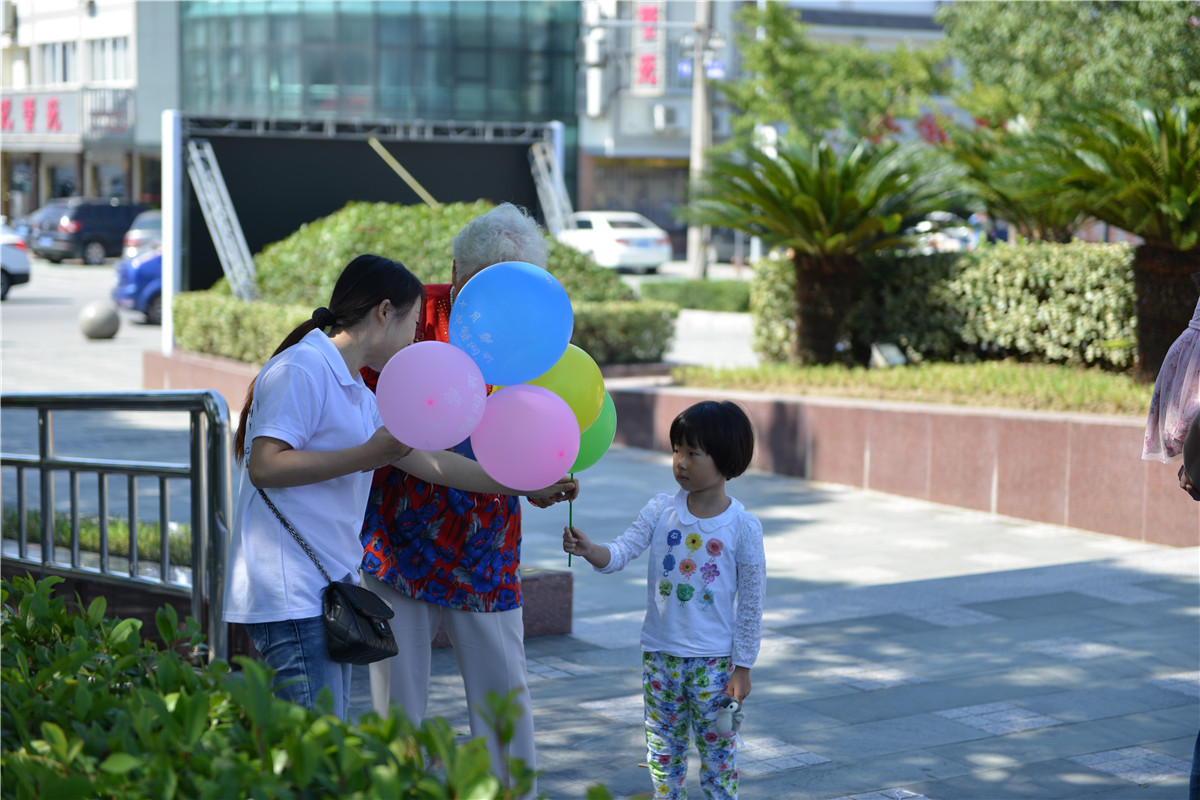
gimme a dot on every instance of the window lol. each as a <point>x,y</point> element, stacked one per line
<point>110,59</point>
<point>58,63</point>
<point>433,59</point>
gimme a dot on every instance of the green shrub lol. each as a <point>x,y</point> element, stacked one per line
<point>219,324</point>
<point>907,301</point>
<point>625,332</point>
<point>1056,303</point>
<point>611,332</point>
<point>1059,303</point>
<point>297,274</point>
<point>90,709</point>
<point>302,268</point>
<point>773,309</point>
<point>706,295</point>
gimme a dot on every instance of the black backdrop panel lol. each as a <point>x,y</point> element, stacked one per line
<point>277,185</point>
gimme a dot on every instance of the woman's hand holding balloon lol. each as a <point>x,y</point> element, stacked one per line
<point>390,449</point>
<point>566,488</point>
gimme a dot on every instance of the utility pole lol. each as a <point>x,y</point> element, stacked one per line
<point>699,236</point>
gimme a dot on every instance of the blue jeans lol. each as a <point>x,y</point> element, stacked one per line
<point>295,648</point>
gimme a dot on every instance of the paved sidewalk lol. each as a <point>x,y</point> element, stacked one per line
<point>909,649</point>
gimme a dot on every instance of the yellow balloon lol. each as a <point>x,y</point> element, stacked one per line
<point>576,379</point>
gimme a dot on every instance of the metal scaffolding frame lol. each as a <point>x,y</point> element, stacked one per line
<point>417,130</point>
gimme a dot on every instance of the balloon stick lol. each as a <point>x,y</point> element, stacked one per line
<point>570,517</point>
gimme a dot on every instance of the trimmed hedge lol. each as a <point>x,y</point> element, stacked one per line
<point>302,268</point>
<point>707,295</point>
<point>908,301</point>
<point>1060,303</point>
<point>1055,303</point>
<point>219,324</point>
<point>91,709</point>
<point>620,332</point>
<point>297,274</point>
<point>612,332</point>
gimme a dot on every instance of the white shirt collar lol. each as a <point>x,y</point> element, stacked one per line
<point>706,524</point>
<point>328,350</point>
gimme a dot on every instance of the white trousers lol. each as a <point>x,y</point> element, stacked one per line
<point>489,648</point>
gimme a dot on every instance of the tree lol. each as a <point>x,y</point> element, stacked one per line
<point>1032,58</point>
<point>1137,168</point>
<point>998,162</point>
<point>828,208</point>
<point>813,89</point>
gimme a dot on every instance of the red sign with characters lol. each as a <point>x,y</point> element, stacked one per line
<point>649,48</point>
<point>36,113</point>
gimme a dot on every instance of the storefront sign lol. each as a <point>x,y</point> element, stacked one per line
<point>649,48</point>
<point>39,113</point>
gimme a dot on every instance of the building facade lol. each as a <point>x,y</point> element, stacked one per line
<point>83,86</point>
<point>637,96</point>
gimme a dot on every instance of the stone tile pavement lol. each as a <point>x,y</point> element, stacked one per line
<point>910,650</point>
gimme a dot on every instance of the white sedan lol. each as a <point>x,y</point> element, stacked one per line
<point>14,260</point>
<point>617,239</point>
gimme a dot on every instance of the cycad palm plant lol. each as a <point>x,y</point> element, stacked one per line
<point>997,164</point>
<point>828,208</point>
<point>1138,168</point>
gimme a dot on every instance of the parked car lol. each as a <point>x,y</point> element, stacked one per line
<point>145,233</point>
<point>14,260</point>
<point>90,228</point>
<point>139,285</point>
<point>24,225</point>
<point>618,239</point>
<point>730,246</point>
<point>941,232</point>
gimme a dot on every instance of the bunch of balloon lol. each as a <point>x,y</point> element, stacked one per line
<point>514,320</point>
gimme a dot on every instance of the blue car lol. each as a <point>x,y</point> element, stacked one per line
<point>139,285</point>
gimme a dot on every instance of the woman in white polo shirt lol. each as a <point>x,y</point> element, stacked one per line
<point>310,436</point>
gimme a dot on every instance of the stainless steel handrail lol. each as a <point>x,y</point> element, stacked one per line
<point>208,469</point>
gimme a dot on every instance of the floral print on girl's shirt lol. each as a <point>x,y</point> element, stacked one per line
<point>685,569</point>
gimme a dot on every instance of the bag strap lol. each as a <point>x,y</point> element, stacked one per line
<point>292,531</point>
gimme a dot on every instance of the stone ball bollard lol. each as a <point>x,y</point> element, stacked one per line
<point>99,320</point>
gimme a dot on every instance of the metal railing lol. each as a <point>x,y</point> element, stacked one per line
<point>208,468</point>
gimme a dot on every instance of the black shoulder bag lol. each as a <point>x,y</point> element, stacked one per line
<point>356,619</point>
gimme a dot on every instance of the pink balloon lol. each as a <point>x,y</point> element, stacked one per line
<point>431,395</point>
<point>528,437</point>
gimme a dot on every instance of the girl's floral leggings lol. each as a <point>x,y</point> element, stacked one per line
<point>681,696</point>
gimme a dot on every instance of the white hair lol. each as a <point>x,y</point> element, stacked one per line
<point>506,233</point>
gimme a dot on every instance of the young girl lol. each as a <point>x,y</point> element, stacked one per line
<point>310,435</point>
<point>705,588</point>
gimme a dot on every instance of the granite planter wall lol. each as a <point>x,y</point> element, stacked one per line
<point>1080,470</point>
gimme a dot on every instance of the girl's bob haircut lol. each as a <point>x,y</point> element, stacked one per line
<point>720,429</point>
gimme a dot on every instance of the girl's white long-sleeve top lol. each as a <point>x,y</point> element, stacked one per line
<point>706,578</point>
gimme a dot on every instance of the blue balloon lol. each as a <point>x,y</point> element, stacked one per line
<point>514,320</point>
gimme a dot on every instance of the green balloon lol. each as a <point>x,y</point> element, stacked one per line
<point>595,441</point>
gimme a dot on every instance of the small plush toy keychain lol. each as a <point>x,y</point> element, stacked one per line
<point>729,717</point>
